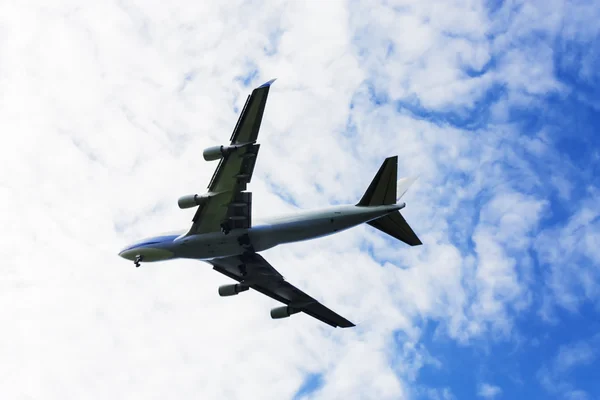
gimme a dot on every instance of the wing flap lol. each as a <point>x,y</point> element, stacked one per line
<point>235,170</point>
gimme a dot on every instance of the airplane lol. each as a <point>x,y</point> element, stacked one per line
<point>224,235</point>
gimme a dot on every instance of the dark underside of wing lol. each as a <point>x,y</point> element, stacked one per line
<point>229,206</point>
<point>248,125</point>
<point>263,278</point>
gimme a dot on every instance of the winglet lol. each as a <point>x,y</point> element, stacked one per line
<point>267,84</point>
<point>402,186</point>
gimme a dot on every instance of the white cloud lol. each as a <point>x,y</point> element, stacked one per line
<point>570,252</point>
<point>557,377</point>
<point>504,231</point>
<point>570,356</point>
<point>418,51</point>
<point>489,391</point>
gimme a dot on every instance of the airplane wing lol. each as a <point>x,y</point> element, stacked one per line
<point>228,206</point>
<point>262,277</point>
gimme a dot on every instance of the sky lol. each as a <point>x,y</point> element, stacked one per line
<point>105,108</point>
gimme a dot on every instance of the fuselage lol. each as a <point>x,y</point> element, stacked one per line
<point>265,234</point>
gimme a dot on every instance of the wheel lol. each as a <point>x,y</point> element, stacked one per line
<point>225,229</point>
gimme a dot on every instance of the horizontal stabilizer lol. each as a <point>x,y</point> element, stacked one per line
<point>396,226</point>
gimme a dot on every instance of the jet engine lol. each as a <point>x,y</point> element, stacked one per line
<point>232,290</point>
<point>217,152</point>
<point>283,312</point>
<point>189,201</point>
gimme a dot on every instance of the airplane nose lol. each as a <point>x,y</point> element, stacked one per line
<point>127,254</point>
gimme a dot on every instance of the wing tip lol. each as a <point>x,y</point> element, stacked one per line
<point>416,243</point>
<point>267,84</point>
<point>345,324</point>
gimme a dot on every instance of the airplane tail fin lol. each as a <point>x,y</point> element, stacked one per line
<point>385,189</point>
<point>382,190</point>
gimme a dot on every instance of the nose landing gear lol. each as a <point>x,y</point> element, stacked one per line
<point>137,260</point>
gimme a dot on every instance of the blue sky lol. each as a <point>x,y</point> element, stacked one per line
<point>493,104</point>
<point>526,361</point>
<point>518,363</point>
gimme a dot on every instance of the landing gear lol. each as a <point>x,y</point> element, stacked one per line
<point>225,228</point>
<point>244,241</point>
<point>138,260</point>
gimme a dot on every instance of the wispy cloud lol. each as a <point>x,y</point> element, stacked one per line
<point>489,391</point>
<point>557,377</point>
<point>570,251</point>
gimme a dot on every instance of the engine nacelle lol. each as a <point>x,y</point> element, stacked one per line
<point>217,152</point>
<point>232,290</point>
<point>283,312</point>
<point>189,201</point>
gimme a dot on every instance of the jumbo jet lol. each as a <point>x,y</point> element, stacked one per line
<point>223,234</point>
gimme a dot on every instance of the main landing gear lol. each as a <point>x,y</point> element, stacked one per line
<point>137,260</point>
<point>225,228</point>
